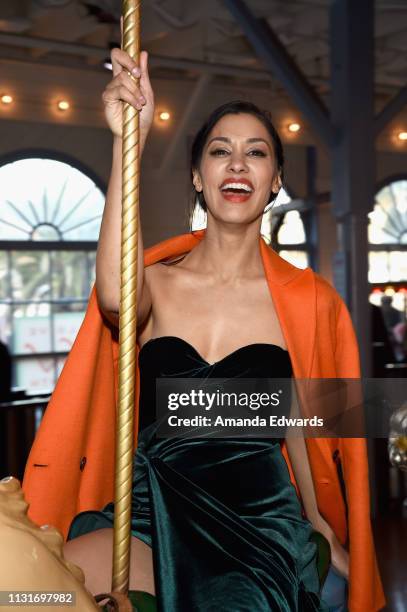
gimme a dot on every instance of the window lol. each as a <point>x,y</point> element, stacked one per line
<point>387,236</point>
<point>50,214</point>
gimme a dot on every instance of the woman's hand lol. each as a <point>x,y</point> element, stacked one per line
<point>339,556</point>
<point>124,88</point>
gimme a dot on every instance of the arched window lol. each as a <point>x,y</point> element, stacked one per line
<point>282,228</point>
<point>387,236</point>
<point>50,214</point>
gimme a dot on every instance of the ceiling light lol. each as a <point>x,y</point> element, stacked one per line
<point>294,127</point>
<point>164,116</point>
<point>63,105</point>
<point>402,136</point>
<point>6,99</point>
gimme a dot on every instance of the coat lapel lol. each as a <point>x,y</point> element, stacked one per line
<point>292,291</point>
<point>294,296</point>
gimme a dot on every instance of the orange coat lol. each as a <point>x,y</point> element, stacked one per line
<point>71,467</point>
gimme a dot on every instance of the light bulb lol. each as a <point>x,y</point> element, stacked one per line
<point>63,105</point>
<point>165,116</point>
<point>294,127</point>
<point>6,99</point>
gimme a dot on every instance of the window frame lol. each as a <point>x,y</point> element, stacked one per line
<point>9,246</point>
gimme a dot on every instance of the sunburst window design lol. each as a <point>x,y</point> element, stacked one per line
<point>388,220</point>
<point>47,200</point>
<point>50,214</point>
<point>387,235</point>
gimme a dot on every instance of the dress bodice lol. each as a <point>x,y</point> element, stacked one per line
<point>171,356</point>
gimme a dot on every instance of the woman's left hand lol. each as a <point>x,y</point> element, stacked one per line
<point>339,555</point>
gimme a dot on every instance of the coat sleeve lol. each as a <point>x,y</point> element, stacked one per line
<point>365,588</point>
<point>70,467</point>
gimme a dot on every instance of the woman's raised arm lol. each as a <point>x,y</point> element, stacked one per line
<point>122,88</point>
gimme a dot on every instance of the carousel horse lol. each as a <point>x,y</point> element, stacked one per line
<point>32,560</point>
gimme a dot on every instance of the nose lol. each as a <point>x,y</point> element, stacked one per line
<point>237,162</point>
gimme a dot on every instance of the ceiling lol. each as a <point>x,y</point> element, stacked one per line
<point>197,31</point>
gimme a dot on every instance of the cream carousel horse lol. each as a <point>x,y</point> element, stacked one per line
<point>31,557</point>
<point>32,562</point>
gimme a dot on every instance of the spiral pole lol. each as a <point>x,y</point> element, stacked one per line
<point>127,316</point>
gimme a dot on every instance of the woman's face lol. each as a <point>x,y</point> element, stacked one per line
<point>238,169</point>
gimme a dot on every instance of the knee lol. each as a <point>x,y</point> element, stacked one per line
<point>92,552</point>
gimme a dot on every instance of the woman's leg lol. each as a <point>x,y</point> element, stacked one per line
<point>93,553</point>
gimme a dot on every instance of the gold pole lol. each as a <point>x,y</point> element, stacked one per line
<point>127,321</point>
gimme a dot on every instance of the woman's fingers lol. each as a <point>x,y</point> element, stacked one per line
<point>122,60</point>
<point>133,78</point>
<point>120,92</point>
<point>124,80</point>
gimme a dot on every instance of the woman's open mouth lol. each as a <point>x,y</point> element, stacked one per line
<point>236,191</point>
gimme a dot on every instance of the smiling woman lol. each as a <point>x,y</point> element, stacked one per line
<point>237,168</point>
<point>221,172</point>
<point>266,146</point>
<point>226,523</point>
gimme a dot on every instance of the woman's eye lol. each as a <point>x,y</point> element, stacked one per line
<point>257,152</point>
<point>219,152</point>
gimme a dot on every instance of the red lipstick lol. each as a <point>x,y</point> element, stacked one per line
<point>236,190</point>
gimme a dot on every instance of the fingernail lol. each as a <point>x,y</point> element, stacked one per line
<point>6,479</point>
<point>136,72</point>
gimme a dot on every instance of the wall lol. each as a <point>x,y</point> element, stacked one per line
<point>82,135</point>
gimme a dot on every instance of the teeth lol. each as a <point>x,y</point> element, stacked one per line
<point>237,186</point>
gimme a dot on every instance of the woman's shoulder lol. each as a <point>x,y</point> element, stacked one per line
<point>161,276</point>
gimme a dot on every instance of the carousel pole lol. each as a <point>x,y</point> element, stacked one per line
<point>127,316</point>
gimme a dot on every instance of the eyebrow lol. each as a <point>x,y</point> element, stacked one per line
<point>228,140</point>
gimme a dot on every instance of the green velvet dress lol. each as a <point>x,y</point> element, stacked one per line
<point>221,514</point>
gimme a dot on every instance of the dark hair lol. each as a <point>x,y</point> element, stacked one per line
<point>233,108</point>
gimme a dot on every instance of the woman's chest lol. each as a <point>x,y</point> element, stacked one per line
<point>218,318</point>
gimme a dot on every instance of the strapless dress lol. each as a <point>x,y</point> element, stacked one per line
<point>221,514</point>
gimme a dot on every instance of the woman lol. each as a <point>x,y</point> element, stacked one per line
<point>237,169</point>
<point>211,545</point>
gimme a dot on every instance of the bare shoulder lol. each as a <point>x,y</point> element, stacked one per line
<point>156,274</point>
<point>160,276</point>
